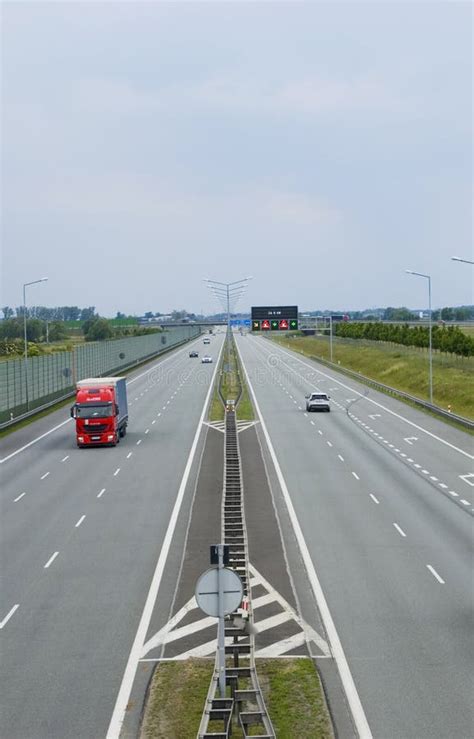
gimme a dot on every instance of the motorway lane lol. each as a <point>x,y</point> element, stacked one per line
<point>448,464</point>
<point>374,528</point>
<point>56,501</point>
<point>65,648</point>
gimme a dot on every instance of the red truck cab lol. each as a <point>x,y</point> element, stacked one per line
<point>100,411</point>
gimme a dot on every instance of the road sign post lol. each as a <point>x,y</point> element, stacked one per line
<point>220,625</point>
<point>218,592</point>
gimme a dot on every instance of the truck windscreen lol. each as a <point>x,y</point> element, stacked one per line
<point>94,411</point>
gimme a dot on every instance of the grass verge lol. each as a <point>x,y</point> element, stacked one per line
<point>231,381</point>
<point>399,367</point>
<point>291,688</point>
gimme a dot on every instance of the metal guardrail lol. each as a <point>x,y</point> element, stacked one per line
<point>51,403</point>
<point>245,704</point>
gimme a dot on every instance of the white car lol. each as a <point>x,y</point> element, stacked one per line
<point>318,402</point>
<point>206,359</point>
<point>206,341</point>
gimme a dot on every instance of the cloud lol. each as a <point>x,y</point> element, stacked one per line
<point>308,96</point>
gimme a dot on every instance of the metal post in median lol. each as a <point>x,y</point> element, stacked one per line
<point>220,625</point>
<point>219,592</point>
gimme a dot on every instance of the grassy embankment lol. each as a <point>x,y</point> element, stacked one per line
<point>398,366</point>
<point>231,380</point>
<point>291,689</point>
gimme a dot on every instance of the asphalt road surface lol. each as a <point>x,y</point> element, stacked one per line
<point>383,495</point>
<point>81,533</point>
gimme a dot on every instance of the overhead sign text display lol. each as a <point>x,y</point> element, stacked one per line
<point>275,318</point>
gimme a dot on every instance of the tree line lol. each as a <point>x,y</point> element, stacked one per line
<point>447,339</point>
<point>60,313</point>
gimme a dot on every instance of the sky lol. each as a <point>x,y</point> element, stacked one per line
<point>322,148</point>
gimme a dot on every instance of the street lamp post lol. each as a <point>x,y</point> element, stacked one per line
<point>427,277</point>
<point>459,259</point>
<point>330,336</point>
<point>25,285</point>
<point>227,293</point>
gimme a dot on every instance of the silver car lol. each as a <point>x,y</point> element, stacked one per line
<point>317,402</point>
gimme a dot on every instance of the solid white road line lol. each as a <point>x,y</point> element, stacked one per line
<point>9,615</point>
<point>400,531</point>
<point>19,497</point>
<point>101,493</point>
<point>435,574</point>
<point>34,441</point>
<point>129,675</point>
<point>374,498</point>
<point>350,689</point>
<point>80,521</point>
<point>51,560</point>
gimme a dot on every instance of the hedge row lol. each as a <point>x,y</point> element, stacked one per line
<point>448,339</point>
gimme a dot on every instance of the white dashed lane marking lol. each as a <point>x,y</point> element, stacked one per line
<point>19,497</point>
<point>51,560</point>
<point>435,574</point>
<point>356,475</point>
<point>116,471</point>
<point>417,466</point>
<point>64,458</point>
<point>44,476</point>
<point>80,521</point>
<point>9,615</point>
<point>101,493</point>
<point>374,498</point>
<point>400,531</point>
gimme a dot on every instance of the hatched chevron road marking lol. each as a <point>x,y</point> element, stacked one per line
<point>280,630</point>
<point>218,425</point>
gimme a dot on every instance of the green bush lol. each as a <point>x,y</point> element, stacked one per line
<point>450,339</point>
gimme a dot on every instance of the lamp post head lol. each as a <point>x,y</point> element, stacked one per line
<point>460,259</point>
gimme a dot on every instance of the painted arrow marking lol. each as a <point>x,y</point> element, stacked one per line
<point>468,478</point>
<point>375,415</point>
<point>411,439</point>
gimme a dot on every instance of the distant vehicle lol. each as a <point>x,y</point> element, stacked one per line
<point>317,402</point>
<point>206,359</point>
<point>206,341</point>
<point>100,411</point>
<point>193,354</point>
